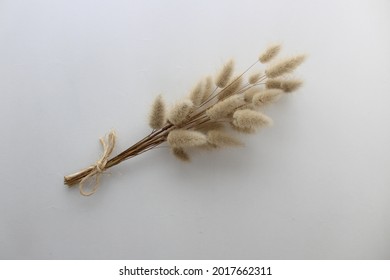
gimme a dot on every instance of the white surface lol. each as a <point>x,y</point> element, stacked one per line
<point>316,185</point>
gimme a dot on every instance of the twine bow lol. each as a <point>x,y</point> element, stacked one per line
<point>100,165</point>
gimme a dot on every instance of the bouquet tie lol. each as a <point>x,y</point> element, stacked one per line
<point>100,165</point>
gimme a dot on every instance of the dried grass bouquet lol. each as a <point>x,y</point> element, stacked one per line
<point>206,117</point>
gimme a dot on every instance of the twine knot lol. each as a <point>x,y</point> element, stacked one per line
<point>100,165</point>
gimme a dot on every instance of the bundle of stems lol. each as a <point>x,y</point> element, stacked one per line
<point>204,118</point>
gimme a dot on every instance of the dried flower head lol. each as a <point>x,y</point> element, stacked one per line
<point>157,116</point>
<point>182,138</point>
<point>254,78</point>
<point>284,66</point>
<point>197,93</point>
<point>221,139</point>
<point>266,97</point>
<point>271,52</point>
<point>208,87</point>
<point>180,111</point>
<point>225,107</point>
<point>248,94</point>
<point>225,74</point>
<point>231,89</point>
<point>284,84</point>
<point>250,119</point>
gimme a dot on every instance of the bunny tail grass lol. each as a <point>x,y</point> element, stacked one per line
<point>207,118</point>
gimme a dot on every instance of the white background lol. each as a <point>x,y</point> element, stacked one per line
<point>314,186</point>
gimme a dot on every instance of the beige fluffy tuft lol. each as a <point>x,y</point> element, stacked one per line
<point>225,74</point>
<point>180,111</point>
<point>181,138</point>
<point>283,84</point>
<point>157,116</point>
<point>249,93</point>
<point>271,52</point>
<point>250,119</point>
<point>284,66</point>
<point>254,78</point>
<point>231,89</point>
<point>221,139</point>
<point>197,93</point>
<point>207,89</point>
<point>225,107</point>
<point>180,154</point>
<point>266,97</point>
<point>274,83</point>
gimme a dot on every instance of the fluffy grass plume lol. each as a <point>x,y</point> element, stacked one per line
<point>284,66</point>
<point>271,52</point>
<point>255,77</point>
<point>230,89</point>
<point>180,111</point>
<point>287,85</point>
<point>266,97</point>
<point>197,93</point>
<point>157,116</point>
<point>250,119</point>
<point>208,88</point>
<point>206,118</point>
<point>225,107</point>
<point>225,74</point>
<point>182,138</point>
<point>248,94</point>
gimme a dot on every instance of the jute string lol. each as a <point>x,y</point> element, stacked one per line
<point>100,165</point>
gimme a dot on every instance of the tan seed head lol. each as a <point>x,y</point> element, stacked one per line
<point>254,78</point>
<point>250,119</point>
<point>181,138</point>
<point>157,114</point>
<point>180,111</point>
<point>274,83</point>
<point>271,52</point>
<point>208,88</point>
<point>230,89</point>
<point>283,84</point>
<point>248,94</point>
<point>225,107</point>
<point>196,94</point>
<point>225,74</point>
<point>284,66</point>
<point>291,85</point>
<point>266,97</point>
